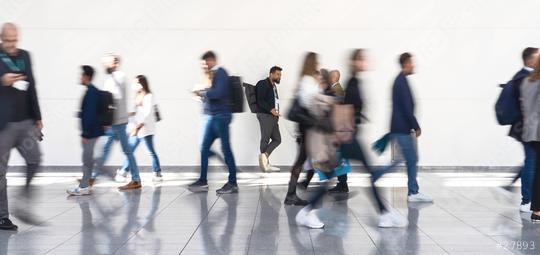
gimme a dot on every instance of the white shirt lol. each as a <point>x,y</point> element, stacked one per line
<point>276,99</point>
<point>308,90</point>
<point>528,68</point>
<point>146,114</point>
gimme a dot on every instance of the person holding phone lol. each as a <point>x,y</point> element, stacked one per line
<point>20,120</point>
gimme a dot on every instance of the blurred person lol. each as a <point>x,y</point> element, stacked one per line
<point>526,173</point>
<point>92,129</point>
<point>268,116</point>
<point>530,105</point>
<point>117,84</point>
<point>403,122</point>
<point>219,117</point>
<point>144,127</point>
<point>353,150</point>
<point>20,120</point>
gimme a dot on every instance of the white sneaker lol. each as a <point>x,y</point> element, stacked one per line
<point>391,219</point>
<point>419,197</point>
<point>525,208</point>
<point>308,218</point>
<point>272,168</point>
<point>121,176</point>
<point>157,177</point>
<point>79,191</point>
<point>263,162</point>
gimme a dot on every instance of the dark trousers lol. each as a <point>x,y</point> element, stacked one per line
<point>269,130</point>
<point>353,151</point>
<point>299,162</point>
<point>535,201</point>
<point>217,127</point>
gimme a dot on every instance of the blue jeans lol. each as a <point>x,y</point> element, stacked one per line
<point>117,133</point>
<point>406,144</point>
<point>134,142</point>
<point>527,173</point>
<point>217,127</point>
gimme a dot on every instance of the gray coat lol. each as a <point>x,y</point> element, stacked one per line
<point>530,105</point>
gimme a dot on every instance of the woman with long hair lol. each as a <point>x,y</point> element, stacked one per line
<point>144,128</point>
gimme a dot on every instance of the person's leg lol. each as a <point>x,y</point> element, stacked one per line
<point>223,122</point>
<point>298,164</point>
<point>120,131</point>
<point>209,136</point>
<point>7,136</point>
<point>266,131</point>
<point>409,153</point>
<point>149,141</point>
<point>28,147</point>
<point>275,135</point>
<point>100,162</point>
<point>535,195</point>
<point>527,173</point>
<point>133,143</point>
<point>88,161</point>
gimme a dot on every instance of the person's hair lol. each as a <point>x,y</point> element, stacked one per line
<point>88,71</point>
<point>325,75</point>
<point>209,55</point>
<point>275,69</point>
<point>404,58</point>
<point>527,53</point>
<point>356,54</point>
<point>144,83</point>
<point>310,64</point>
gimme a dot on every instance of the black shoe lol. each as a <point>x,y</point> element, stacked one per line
<point>295,200</point>
<point>228,188</point>
<point>535,218</point>
<point>6,224</point>
<point>198,186</point>
<point>340,188</point>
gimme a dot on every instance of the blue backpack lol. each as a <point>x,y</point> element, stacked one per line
<point>507,107</point>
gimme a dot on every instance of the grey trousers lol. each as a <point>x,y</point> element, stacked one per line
<point>22,136</point>
<point>269,130</point>
<point>88,161</point>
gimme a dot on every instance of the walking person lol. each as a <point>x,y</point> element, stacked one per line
<point>404,122</point>
<point>20,120</point>
<point>530,105</point>
<point>218,112</point>
<point>268,116</point>
<point>117,84</point>
<point>92,129</point>
<point>144,127</point>
<point>526,173</point>
<point>335,87</point>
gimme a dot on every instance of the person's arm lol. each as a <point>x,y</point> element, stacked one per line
<point>262,91</point>
<point>35,110</point>
<point>407,105</point>
<point>89,112</point>
<point>220,85</point>
<point>130,97</point>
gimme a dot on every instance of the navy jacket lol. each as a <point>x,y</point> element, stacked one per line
<point>19,105</point>
<point>217,98</point>
<point>517,79</point>
<point>265,96</point>
<point>403,119</point>
<point>90,122</point>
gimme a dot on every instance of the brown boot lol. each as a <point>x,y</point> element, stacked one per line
<point>131,185</point>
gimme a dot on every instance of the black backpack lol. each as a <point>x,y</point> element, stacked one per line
<point>236,95</point>
<point>251,96</point>
<point>106,108</point>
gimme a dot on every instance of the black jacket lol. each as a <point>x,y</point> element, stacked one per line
<point>18,105</point>
<point>265,96</point>
<point>353,95</point>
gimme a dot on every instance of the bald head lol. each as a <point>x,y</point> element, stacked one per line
<point>10,37</point>
<point>334,76</point>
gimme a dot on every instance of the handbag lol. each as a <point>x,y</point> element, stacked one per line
<point>299,114</point>
<point>157,113</point>
<point>343,122</point>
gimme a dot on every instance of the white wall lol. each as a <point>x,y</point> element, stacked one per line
<point>463,48</point>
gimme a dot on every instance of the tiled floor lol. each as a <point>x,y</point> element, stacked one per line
<point>468,217</point>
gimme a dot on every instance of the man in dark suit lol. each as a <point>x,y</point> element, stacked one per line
<point>526,173</point>
<point>20,126</point>
<point>268,116</point>
<point>403,123</point>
